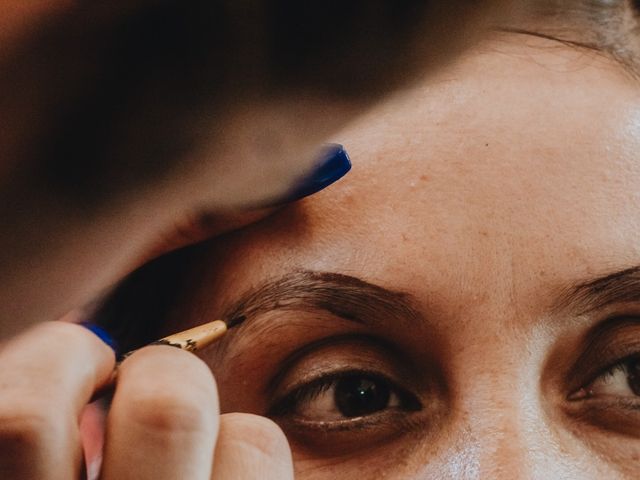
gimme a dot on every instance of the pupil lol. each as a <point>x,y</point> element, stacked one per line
<point>360,396</point>
<point>633,376</point>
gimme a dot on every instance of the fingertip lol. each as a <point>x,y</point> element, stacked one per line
<point>264,433</point>
<point>160,357</point>
<point>254,441</point>
<point>102,334</point>
<point>160,375</point>
<point>166,404</point>
<point>67,338</point>
<point>333,164</point>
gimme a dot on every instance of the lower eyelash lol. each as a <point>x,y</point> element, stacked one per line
<point>351,424</point>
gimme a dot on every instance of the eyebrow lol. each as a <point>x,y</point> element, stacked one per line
<point>347,297</point>
<point>619,287</point>
<point>356,300</point>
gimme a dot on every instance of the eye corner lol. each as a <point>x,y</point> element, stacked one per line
<point>583,393</point>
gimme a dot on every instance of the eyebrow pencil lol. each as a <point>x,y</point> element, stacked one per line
<point>195,338</point>
<point>191,340</point>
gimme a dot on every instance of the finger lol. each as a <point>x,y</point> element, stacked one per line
<point>164,418</point>
<point>251,448</point>
<point>200,226</point>
<point>92,425</point>
<point>333,163</point>
<point>48,374</point>
<point>18,20</point>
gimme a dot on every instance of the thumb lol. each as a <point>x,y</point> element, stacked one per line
<point>251,448</point>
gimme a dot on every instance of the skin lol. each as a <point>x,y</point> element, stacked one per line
<point>57,255</point>
<point>485,196</point>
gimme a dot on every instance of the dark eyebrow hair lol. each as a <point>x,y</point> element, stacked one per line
<point>618,287</point>
<point>342,295</point>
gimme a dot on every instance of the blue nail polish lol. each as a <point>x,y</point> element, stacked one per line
<point>102,334</point>
<point>334,164</point>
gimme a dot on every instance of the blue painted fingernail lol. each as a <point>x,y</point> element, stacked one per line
<point>102,334</point>
<point>334,164</point>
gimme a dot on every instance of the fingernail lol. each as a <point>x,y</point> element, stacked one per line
<point>102,334</point>
<point>334,163</point>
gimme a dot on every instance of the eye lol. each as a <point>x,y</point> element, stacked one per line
<point>358,396</point>
<point>621,380</point>
<point>343,397</point>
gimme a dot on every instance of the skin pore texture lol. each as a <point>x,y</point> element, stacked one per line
<point>467,267</point>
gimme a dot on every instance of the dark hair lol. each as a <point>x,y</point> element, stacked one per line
<point>607,27</point>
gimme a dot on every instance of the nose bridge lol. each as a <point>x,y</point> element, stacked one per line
<point>497,400</point>
<point>514,442</point>
<point>508,448</point>
<point>498,430</point>
<point>494,367</point>
<point>502,424</point>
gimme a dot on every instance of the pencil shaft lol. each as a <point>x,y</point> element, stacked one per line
<point>196,338</point>
<point>193,339</point>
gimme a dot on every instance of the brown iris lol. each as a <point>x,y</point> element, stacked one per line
<point>357,396</point>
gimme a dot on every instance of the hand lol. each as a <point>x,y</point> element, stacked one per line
<point>200,226</point>
<point>164,421</point>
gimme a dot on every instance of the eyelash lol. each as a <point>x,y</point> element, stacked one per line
<point>620,366</point>
<point>290,402</point>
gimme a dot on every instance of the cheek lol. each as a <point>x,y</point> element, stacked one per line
<point>461,454</point>
<point>401,461</point>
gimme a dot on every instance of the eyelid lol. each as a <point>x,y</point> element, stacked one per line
<point>368,341</point>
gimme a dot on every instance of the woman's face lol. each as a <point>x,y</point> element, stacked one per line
<point>466,303</point>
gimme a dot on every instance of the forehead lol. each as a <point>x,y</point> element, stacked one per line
<point>513,169</point>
